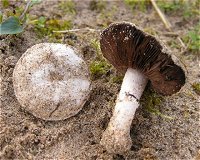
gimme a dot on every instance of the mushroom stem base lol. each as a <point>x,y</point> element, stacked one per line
<point>116,138</point>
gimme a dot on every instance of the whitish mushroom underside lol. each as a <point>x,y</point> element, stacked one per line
<point>51,81</point>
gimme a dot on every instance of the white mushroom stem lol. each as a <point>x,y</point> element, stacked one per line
<point>116,138</point>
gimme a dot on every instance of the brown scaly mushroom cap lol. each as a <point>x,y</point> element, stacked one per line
<point>126,46</point>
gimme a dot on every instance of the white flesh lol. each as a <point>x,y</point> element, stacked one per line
<point>116,138</point>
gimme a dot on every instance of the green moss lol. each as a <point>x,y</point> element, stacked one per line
<point>137,5</point>
<point>191,8</point>
<point>192,38</point>
<point>168,6</point>
<point>70,42</point>
<point>173,44</point>
<point>99,68</point>
<point>150,100</point>
<point>97,5</point>
<point>67,7</point>
<point>117,79</point>
<point>95,44</point>
<point>196,87</point>
<point>45,27</point>
<point>5,3</point>
<point>1,17</point>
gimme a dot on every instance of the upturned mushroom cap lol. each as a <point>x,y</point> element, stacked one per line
<point>51,81</point>
<point>124,46</point>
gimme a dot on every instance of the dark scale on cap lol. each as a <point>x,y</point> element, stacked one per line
<point>124,45</point>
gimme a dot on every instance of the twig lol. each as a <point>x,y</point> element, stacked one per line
<point>162,16</point>
<point>187,46</point>
<point>165,21</point>
<point>172,34</point>
<point>25,10</point>
<point>180,40</point>
<point>77,30</point>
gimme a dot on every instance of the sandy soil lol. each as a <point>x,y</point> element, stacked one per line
<point>23,136</point>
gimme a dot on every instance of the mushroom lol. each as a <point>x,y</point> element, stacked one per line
<point>141,57</point>
<point>51,81</point>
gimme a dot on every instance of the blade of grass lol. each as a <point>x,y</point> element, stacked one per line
<point>77,30</point>
<point>25,10</point>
